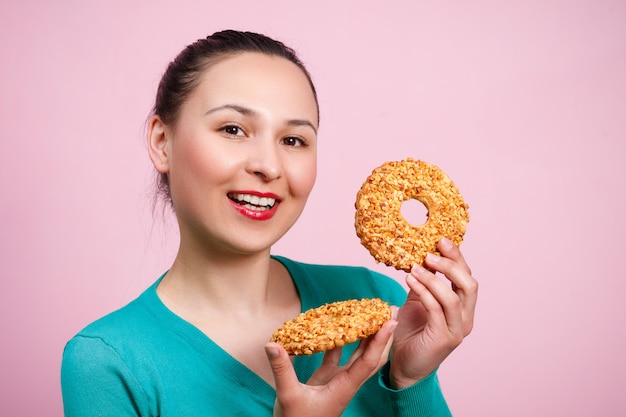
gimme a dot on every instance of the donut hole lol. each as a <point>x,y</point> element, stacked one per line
<point>414,211</point>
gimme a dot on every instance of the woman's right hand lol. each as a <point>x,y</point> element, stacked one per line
<point>330,389</point>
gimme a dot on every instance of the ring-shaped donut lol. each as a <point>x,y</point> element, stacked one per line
<point>386,233</point>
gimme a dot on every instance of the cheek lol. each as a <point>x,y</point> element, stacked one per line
<point>195,168</point>
<point>191,163</point>
<point>303,177</point>
<point>200,155</point>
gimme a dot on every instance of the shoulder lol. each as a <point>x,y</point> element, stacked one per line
<point>119,345</point>
<point>124,320</point>
<point>341,282</point>
<point>100,365</point>
<point>129,325</point>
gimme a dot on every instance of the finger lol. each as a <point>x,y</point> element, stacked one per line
<point>385,333</point>
<point>464,284</point>
<point>462,281</point>
<point>332,357</point>
<point>394,312</point>
<point>421,283</point>
<point>391,329</point>
<point>284,375</point>
<point>452,251</point>
<point>450,263</point>
<point>443,306</point>
<point>381,333</point>
<point>454,267</point>
<point>329,368</point>
<point>371,354</point>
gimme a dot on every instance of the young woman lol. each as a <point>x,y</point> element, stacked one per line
<point>233,138</point>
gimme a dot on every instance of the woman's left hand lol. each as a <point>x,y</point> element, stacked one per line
<point>332,386</point>
<point>435,318</point>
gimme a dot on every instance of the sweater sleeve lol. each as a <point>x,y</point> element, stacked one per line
<point>96,382</point>
<point>423,399</point>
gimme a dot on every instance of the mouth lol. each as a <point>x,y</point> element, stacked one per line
<point>253,202</point>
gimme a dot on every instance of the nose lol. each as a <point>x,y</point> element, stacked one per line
<point>265,161</point>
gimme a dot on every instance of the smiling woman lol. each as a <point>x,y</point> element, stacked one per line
<point>233,138</point>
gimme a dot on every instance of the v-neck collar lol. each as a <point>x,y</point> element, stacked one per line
<point>214,355</point>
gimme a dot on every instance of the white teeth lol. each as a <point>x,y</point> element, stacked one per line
<point>255,200</point>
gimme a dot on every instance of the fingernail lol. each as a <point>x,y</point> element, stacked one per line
<point>271,351</point>
<point>418,269</point>
<point>393,326</point>
<point>446,243</point>
<point>432,258</point>
<point>394,313</point>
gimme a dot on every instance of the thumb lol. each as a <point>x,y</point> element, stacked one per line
<point>284,375</point>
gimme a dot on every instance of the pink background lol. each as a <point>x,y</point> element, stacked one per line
<point>523,103</point>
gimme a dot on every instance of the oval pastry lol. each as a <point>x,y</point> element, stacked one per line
<point>332,325</point>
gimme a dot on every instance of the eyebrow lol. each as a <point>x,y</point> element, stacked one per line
<point>301,122</point>
<point>245,111</point>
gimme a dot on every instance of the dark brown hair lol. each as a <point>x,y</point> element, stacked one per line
<point>183,74</point>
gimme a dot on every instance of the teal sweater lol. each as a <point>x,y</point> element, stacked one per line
<point>143,360</point>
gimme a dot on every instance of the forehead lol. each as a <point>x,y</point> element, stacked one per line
<point>258,80</point>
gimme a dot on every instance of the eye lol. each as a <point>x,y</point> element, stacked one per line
<point>233,130</point>
<point>293,141</point>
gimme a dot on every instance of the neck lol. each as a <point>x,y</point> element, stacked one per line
<point>209,282</point>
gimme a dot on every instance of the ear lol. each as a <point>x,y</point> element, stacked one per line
<point>158,144</point>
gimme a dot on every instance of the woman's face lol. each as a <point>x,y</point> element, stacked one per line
<point>242,157</point>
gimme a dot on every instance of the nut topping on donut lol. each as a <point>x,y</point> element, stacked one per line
<point>380,225</point>
<point>332,325</point>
